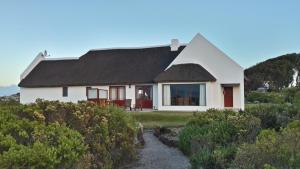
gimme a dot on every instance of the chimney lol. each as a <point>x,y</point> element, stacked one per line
<point>174,44</point>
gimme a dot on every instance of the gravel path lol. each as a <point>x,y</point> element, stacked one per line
<point>155,155</point>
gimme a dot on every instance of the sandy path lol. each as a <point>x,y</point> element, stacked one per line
<point>155,155</point>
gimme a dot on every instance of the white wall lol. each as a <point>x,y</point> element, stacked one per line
<point>75,94</point>
<point>214,96</point>
<point>155,96</point>
<point>29,95</point>
<point>130,93</point>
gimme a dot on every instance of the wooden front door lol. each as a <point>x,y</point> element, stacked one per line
<point>117,95</point>
<point>143,95</point>
<point>228,97</point>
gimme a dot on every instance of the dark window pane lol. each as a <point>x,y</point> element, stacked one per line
<point>185,94</point>
<point>65,91</point>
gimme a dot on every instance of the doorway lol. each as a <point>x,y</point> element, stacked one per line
<point>228,96</point>
<point>144,95</point>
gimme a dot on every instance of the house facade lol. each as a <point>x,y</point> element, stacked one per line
<point>192,77</point>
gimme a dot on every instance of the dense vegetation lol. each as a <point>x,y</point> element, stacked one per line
<point>211,139</point>
<point>286,95</point>
<point>264,136</point>
<point>64,135</point>
<point>272,150</point>
<point>278,72</point>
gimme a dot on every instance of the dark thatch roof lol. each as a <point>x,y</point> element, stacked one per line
<point>185,73</point>
<point>103,67</point>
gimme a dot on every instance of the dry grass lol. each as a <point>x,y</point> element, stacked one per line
<point>163,118</point>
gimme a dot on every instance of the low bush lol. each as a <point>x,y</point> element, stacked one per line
<point>108,132</point>
<point>296,100</point>
<point>272,150</point>
<point>220,157</point>
<point>186,135</point>
<point>211,138</point>
<point>289,93</point>
<point>274,116</point>
<point>268,97</point>
<point>65,135</point>
<point>26,144</point>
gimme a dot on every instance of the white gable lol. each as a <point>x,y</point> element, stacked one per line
<point>40,57</point>
<point>202,52</point>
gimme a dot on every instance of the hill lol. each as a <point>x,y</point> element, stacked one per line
<point>276,73</point>
<point>14,98</point>
<point>8,90</point>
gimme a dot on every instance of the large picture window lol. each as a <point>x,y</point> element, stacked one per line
<point>184,95</point>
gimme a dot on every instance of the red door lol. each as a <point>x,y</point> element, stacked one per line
<point>228,97</point>
<point>143,95</point>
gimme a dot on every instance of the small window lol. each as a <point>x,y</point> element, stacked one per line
<point>92,93</point>
<point>65,91</point>
<point>103,94</point>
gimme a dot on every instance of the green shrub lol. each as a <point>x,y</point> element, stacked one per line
<point>186,135</point>
<point>108,131</point>
<point>274,116</point>
<point>268,166</point>
<point>65,135</point>
<point>219,157</point>
<point>203,159</point>
<point>296,99</point>
<point>25,144</point>
<point>224,156</point>
<point>272,149</point>
<point>268,97</point>
<point>289,93</point>
<point>212,136</point>
<point>37,156</point>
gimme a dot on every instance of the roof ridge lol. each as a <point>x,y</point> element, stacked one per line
<point>138,47</point>
<point>62,58</point>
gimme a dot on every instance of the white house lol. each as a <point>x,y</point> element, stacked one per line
<point>191,77</point>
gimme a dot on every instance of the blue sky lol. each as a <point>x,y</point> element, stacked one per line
<point>248,31</point>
